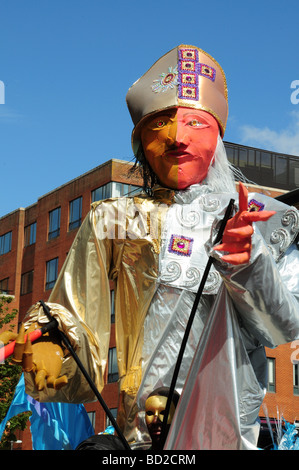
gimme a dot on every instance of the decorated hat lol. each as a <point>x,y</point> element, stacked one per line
<point>186,76</point>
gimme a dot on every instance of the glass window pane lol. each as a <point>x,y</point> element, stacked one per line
<point>30,234</point>
<point>266,159</point>
<point>242,158</point>
<point>4,286</point>
<point>112,366</point>
<point>281,170</point>
<point>117,189</point>
<point>230,154</point>
<point>5,243</point>
<point>26,283</point>
<point>271,374</point>
<point>114,414</point>
<point>33,233</point>
<point>103,192</point>
<point>51,273</point>
<point>112,307</point>
<point>75,213</point>
<point>54,223</point>
<point>294,173</point>
<point>92,418</point>
<point>251,157</point>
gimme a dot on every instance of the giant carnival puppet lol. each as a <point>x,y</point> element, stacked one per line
<point>155,247</point>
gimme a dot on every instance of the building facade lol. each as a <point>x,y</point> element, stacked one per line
<point>34,243</point>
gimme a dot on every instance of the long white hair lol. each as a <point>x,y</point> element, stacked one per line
<point>221,174</point>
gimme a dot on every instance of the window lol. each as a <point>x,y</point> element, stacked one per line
<point>114,414</point>
<point>5,243</point>
<point>4,286</point>
<point>121,189</point>
<point>103,192</point>
<point>296,378</point>
<point>113,189</point>
<point>75,213</point>
<point>51,272</point>
<point>112,366</point>
<point>54,223</point>
<point>92,417</point>
<point>30,234</point>
<point>26,283</point>
<point>112,306</point>
<point>271,374</point>
<point>230,152</point>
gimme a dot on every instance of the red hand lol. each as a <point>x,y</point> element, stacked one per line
<point>236,239</point>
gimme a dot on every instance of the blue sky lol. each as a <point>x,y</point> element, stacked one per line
<point>67,65</point>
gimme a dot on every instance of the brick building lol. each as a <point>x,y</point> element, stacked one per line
<point>34,243</point>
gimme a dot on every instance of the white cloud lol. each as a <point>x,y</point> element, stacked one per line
<point>8,115</point>
<point>284,141</point>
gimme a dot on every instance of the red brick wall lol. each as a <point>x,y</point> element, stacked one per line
<point>283,401</point>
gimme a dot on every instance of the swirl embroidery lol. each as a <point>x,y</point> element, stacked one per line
<point>210,205</point>
<point>291,216</point>
<point>213,281</point>
<point>193,276</point>
<point>173,272</point>
<point>188,219</point>
<point>281,237</point>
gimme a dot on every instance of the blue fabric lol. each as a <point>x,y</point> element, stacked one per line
<point>18,405</point>
<point>54,426</point>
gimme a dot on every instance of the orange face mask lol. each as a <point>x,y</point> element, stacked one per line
<point>179,145</point>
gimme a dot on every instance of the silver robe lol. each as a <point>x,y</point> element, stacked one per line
<point>157,274</point>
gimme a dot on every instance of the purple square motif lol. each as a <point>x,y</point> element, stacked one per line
<point>180,245</point>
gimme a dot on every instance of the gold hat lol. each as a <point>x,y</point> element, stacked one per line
<point>186,76</point>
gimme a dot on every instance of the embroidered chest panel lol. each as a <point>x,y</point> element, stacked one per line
<point>183,256</point>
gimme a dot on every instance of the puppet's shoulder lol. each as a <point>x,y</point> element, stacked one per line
<point>282,229</point>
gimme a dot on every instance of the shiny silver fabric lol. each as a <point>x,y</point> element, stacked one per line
<point>222,395</point>
<point>116,242</point>
<point>262,291</point>
<point>164,330</point>
<point>257,306</point>
<point>262,322</point>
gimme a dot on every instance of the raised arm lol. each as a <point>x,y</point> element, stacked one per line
<point>263,293</point>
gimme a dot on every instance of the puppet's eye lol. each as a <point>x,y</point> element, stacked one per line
<point>194,123</point>
<point>160,123</point>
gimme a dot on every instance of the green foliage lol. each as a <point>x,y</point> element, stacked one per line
<point>9,377</point>
<point>6,316</point>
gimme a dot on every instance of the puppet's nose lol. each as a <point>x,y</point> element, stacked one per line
<point>172,134</point>
<point>182,136</point>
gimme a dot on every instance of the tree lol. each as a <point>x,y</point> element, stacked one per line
<point>9,377</point>
<point>7,315</point>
